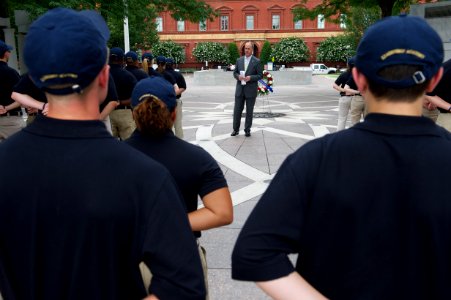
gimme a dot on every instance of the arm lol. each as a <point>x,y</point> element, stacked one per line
<point>217,211</point>
<point>258,68</point>
<point>177,89</point>
<point>236,72</point>
<point>290,287</point>
<point>13,105</point>
<point>439,102</point>
<point>338,88</point>
<point>108,109</point>
<point>27,100</point>
<point>349,91</point>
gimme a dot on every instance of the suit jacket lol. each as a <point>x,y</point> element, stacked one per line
<point>255,70</point>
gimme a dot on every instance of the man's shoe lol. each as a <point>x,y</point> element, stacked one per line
<point>247,134</point>
<point>234,133</point>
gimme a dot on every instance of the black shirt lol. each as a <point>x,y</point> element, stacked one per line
<point>365,211</point>
<point>342,80</point>
<point>124,81</point>
<point>94,208</point>
<point>137,72</point>
<point>111,94</point>
<point>180,80</point>
<point>27,87</point>
<point>8,79</point>
<point>195,171</point>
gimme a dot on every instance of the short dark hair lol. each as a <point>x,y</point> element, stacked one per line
<point>398,72</point>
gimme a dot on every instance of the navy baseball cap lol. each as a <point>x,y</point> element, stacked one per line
<point>4,47</point>
<point>351,61</point>
<point>157,87</point>
<point>117,52</point>
<point>65,50</point>
<point>169,61</point>
<point>400,40</point>
<point>147,55</point>
<point>161,59</point>
<point>131,56</point>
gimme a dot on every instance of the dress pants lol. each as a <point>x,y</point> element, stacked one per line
<point>238,110</point>
<point>122,123</point>
<point>357,109</point>
<point>344,104</point>
<point>178,129</point>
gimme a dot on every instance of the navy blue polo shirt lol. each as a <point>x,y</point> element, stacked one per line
<point>137,72</point>
<point>195,171</point>
<point>342,80</point>
<point>8,79</point>
<point>92,210</point>
<point>365,209</point>
<point>124,80</point>
<point>180,80</point>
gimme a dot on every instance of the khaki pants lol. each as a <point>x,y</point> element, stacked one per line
<point>10,125</point>
<point>432,114</point>
<point>444,120</point>
<point>147,275</point>
<point>122,123</point>
<point>178,130</point>
<point>357,109</point>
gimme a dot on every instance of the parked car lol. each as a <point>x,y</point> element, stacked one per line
<point>322,69</point>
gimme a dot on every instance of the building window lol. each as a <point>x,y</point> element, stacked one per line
<point>249,22</point>
<point>321,22</point>
<point>224,23</point>
<point>159,22</point>
<point>343,21</point>
<point>203,25</point>
<point>180,25</point>
<point>276,22</point>
<point>298,24</point>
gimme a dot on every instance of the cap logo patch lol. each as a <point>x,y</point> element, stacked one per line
<point>402,51</point>
<point>53,76</point>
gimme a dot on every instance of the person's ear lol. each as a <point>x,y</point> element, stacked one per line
<point>173,115</point>
<point>104,76</point>
<point>435,80</point>
<point>360,80</point>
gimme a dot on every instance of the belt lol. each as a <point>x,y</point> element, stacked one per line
<point>12,113</point>
<point>32,114</point>
<point>123,107</point>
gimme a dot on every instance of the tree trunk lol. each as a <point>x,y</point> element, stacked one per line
<point>386,7</point>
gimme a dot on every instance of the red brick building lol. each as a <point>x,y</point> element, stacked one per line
<point>241,21</point>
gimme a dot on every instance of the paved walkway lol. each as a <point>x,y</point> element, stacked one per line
<point>301,113</point>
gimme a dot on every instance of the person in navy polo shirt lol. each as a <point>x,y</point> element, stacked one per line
<point>194,169</point>
<point>364,208</point>
<point>80,231</point>
<point>10,113</point>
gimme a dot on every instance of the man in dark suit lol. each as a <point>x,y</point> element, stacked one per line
<point>248,71</point>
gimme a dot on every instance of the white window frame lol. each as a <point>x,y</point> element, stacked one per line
<point>225,23</point>
<point>203,25</point>
<point>159,23</point>
<point>250,21</point>
<point>343,21</point>
<point>273,25</point>
<point>298,25</point>
<point>321,22</point>
<point>181,25</point>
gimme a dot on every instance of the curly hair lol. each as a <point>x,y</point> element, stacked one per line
<point>152,117</point>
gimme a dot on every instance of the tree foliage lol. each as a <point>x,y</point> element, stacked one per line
<point>141,14</point>
<point>336,48</point>
<point>330,8</point>
<point>211,52</point>
<point>290,49</point>
<point>265,55</point>
<point>234,54</point>
<point>359,20</point>
<point>170,49</point>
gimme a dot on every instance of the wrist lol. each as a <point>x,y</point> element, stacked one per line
<point>449,109</point>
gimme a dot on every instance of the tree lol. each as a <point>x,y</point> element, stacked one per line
<point>359,20</point>
<point>141,14</point>
<point>330,8</point>
<point>170,49</point>
<point>265,55</point>
<point>336,48</point>
<point>234,54</point>
<point>290,49</point>
<point>211,52</point>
